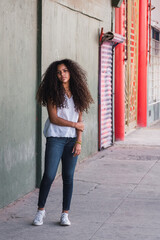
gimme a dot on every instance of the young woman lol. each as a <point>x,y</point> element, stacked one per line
<point>65,93</point>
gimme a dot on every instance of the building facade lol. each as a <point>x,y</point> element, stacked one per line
<point>137,84</point>
<point>33,34</point>
<point>116,42</point>
<point>153,111</point>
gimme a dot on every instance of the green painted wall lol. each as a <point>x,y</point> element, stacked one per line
<point>17,98</point>
<point>69,30</point>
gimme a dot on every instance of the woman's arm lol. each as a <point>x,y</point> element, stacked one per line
<point>79,133</point>
<point>77,147</point>
<point>52,113</point>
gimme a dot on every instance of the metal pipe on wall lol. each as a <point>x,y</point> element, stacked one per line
<point>39,109</point>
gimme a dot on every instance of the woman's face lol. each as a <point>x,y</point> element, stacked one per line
<point>63,74</point>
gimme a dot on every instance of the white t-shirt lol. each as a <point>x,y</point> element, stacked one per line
<point>68,113</point>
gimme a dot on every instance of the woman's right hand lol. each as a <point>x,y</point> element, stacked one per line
<point>80,126</point>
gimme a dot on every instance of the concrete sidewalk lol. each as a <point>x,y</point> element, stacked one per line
<point>116,197</point>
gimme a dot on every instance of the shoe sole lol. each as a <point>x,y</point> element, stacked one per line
<point>63,224</point>
<point>37,224</point>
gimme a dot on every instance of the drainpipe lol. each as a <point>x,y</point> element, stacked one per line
<point>119,79</point>
<point>38,107</point>
<point>142,68</point>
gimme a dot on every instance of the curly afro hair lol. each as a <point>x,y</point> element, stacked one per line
<point>51,88</point>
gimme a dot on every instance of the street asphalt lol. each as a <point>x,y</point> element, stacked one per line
<point>116,197</point>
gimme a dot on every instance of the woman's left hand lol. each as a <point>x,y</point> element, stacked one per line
<point>76,149</point>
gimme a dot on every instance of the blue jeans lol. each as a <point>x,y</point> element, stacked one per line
<point>58,148</point>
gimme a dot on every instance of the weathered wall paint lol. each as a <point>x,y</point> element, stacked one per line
<point>70,30</point>
<point>17,98</point>
<point>153,113</point>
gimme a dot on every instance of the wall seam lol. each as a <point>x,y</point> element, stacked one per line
<point>38,107</point>
<point>77,11</point>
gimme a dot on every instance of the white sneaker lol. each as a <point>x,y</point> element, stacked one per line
<point>64,221</point>
<point>38,220</point>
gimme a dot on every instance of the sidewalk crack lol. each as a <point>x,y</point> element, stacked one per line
<point>142,178</point>
<point>91,189</point>
<point>123,200</point>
